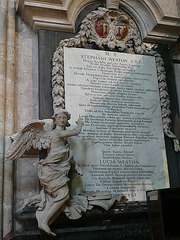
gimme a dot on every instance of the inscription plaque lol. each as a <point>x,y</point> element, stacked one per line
<point>121,148</point>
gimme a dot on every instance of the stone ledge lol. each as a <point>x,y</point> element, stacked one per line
<point>45,14</point>
<point>100,223</point>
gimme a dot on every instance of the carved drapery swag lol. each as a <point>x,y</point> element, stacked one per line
<point>113,30</point>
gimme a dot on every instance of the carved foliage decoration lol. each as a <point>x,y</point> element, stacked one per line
<point>112,30</point>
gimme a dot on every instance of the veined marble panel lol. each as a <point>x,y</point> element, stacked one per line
<point>121,148</point>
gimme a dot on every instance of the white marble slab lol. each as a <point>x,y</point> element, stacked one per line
<point>121,148</point>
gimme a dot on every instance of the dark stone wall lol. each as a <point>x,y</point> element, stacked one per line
<point>172,156</point>
<point>48,42</point>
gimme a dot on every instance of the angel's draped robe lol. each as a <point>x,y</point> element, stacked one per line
<point>53,175</point>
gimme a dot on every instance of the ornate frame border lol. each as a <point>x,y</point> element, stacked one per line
<point>131,44</point>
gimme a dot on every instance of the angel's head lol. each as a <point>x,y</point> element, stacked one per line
<point>61,118</point>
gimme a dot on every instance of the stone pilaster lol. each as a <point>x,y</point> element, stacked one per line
<point>9,118</point>
<point>3,28</point>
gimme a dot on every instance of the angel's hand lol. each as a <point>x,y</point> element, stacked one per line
<point>78,170</point>
<point>80,121</point>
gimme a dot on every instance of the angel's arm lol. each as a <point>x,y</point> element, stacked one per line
<point>75,131</point>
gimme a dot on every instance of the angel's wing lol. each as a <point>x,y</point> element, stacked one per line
<point>36,134</point>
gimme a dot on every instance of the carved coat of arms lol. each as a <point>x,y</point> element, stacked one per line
<point>121,30</point>
<point>102,28</point>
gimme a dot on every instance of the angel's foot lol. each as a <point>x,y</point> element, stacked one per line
<point>46,228</point>
<point>29,200</point>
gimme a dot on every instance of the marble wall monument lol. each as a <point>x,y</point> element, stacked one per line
<point>19,53</point>
<point>122,96</point>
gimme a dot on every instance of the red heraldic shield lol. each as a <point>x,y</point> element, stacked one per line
<point>102,28</point>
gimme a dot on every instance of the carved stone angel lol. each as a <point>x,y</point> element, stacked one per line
<point>53,170</point>
<point>54,197</point>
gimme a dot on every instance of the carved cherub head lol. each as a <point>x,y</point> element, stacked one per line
<point>61,118</point>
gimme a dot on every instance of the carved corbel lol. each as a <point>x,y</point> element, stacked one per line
<point>112,4</point>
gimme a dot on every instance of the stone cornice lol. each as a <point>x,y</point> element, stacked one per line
<point>60,15</point>
<point>48,14</point>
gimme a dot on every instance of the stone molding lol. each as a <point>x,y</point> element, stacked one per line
<point>60,15</point>
<point>153,22</point>
<point>49,15</point>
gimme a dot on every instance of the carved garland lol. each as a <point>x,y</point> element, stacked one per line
<point>129,41</point>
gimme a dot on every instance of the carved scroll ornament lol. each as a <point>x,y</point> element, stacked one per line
<point>115,31</point>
